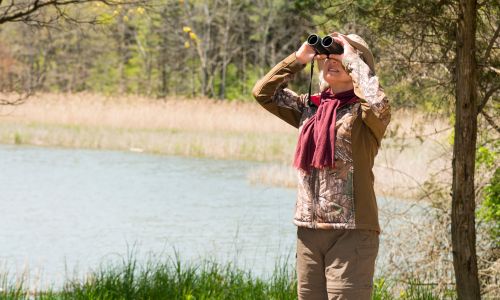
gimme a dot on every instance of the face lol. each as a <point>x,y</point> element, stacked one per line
<point>334,73</point>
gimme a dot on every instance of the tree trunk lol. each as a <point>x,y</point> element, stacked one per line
<point>222,85</point>
<point>120,36</point>
<point>243,70</point>
<point>464,149</point>
<point>224,55</point>
<point>163,54</point>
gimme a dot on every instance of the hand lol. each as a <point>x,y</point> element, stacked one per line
<point>348,49</point>
<point>305,53</point>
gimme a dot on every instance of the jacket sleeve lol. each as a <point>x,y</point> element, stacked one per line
<point>271,92</point>
<point>376,111</point>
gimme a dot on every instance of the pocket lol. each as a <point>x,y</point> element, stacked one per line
<point>365,265</point>
<point>352,264</point>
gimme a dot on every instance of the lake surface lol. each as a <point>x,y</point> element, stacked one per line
<point>64,212</point>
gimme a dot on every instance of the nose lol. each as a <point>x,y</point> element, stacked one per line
<point>332,62</point>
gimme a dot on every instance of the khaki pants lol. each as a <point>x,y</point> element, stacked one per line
<point>335,263</point>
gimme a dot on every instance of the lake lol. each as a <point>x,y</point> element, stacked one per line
<point>64,212</point>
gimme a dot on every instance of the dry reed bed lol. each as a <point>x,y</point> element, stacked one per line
<point>135,112</point>
<point>181,127</point>
<point>416,146</point>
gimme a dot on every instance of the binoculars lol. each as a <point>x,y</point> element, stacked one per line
<point>326,45</point>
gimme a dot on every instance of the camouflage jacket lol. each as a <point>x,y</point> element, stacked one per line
<point>343,197</point>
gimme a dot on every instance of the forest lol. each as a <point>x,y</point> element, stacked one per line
<point>218,49</point>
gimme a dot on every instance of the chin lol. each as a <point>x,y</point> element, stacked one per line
<point>331,79</point>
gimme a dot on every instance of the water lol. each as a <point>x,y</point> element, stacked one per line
<point>64,212</point>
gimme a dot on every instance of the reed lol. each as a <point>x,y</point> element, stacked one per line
<point>415,148</point>
<point>202,128</point>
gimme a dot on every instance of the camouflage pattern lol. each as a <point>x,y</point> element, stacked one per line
<point>325,196</point>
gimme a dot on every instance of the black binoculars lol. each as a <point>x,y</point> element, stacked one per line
<point>326,45</point>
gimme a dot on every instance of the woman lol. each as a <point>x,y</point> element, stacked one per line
<point>340,131</point>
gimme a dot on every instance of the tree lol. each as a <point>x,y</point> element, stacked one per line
<point>213,48</point>
<point>48,13</point>
<point>437,45</point>
<point>463,229</point>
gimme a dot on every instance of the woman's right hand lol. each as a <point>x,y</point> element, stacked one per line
<point>306,53</point>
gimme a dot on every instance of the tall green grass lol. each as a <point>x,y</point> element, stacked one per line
<point>169,279</point>
<point>413,289</point>
<point>172,279</point>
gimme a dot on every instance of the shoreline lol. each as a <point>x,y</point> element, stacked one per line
<point>220,130</point>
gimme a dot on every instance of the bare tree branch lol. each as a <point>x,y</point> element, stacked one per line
<point>486,97</point>
<point>490,120</point>
<point>25,13</point>
<point>21,97</point>
<point>18,100</point>
<point>491,43</point>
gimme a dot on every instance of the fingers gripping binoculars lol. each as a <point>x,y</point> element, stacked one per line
<point>326,45</point>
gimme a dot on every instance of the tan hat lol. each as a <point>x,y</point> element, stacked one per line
<point>357,42</point>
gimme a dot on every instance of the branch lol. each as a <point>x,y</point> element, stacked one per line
<point>34,84</point>
<point>65,16</point>
<point>489,119</point>
<point>20,99</point>
<point>490,68</point>
<point>486,97</point>
<point>22,14</point>
<point>7,10</point>
<point>492,42</point>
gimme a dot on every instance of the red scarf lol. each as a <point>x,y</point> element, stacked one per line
<point>316,145</point>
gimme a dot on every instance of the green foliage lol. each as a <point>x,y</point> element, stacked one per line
<point>104,77</point>
<point>381,290</point>
<point>451,137</point>
<point>18,139</point>
<point>487,166</point>
<point>417,290</point>
<point>485,157</point>
<point>489,210</point>
<point>239,88</point>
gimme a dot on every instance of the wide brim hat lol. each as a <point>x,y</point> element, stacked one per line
<point>359,44</point>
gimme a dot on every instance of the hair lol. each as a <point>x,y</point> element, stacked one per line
<point>323,85</point>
